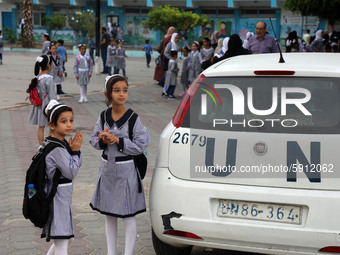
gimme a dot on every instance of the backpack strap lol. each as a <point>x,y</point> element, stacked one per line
<point>132,122</point>
<point>102,118</point>
<point>56,178</point>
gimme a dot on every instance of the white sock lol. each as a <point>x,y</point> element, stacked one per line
<point>130,234</point>
<point>59,247</point>
<point>111,228</point>
<point>82,91</point>
<point>85,90</point>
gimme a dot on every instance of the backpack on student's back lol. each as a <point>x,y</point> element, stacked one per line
<point>87,58</point>
<point>140,160</point>
<point>34,97</point>
<point>37,208</point>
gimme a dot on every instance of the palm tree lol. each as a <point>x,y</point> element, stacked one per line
<point>27,40</point>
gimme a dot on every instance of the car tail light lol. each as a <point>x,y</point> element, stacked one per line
<point>274,72</point>
<point>184,105</point>
<point>181,234</point>
<point>334,249</point>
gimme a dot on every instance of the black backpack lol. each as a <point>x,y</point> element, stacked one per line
<point>140,160</point>
<point>37,208</point>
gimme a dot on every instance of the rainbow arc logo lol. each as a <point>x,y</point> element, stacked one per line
<point>204,97</point>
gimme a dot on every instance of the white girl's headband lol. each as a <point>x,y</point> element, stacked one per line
<point>109,77</point>
<point>81,45</point>
<point>40,59</point>
<point>196,42</point>
<point>53,104</point>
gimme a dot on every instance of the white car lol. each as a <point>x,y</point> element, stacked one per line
<point>251,159</point>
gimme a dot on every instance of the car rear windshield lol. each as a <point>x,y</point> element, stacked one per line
<point>266,104</point>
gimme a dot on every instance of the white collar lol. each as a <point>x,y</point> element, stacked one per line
<point>42,76</point>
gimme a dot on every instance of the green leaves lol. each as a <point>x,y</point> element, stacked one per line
<point>162,17</point>
<point>328,9</point>
<point>11,35</point>
<point>57,22</point>
<point>82,23</point>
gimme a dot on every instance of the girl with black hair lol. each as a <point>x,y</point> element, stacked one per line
<point>46,43</point>
<point>43,82</point>
<point>117,193</point>
<point>195,62</point>
<point>57,69</point>
<point>207,53</point>
<point>67,159</point>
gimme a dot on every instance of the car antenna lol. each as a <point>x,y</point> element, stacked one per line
<point>277,43</point>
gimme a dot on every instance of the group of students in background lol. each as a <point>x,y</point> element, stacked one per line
<point>321,42</point>
<point>197,57</point>
<point>116,57</point>
<point>83,65</point>
<point>200,55</point>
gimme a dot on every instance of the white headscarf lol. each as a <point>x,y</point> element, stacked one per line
<point>219,46</point>
<point>225,45</point>
<point>174,46</point>
<point>318,35</point>
<point>53,104</point>
<point>246,41</point>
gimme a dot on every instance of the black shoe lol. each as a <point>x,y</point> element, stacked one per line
<point>65,75</point>
<point>103,72</point>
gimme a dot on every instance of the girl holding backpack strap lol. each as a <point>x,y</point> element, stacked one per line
<point>67,159</point>
<point>117,193</point>
<point>43,82</point>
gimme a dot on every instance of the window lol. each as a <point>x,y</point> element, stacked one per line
<point>19,8</point>
<point>226,12</point>
<point>145,11</point>
<point>132,11</point>
<point>258,13</point>
<point>267,13</point>
<point>39,12</point>
<point>65,10</point>
<point>209,11</point>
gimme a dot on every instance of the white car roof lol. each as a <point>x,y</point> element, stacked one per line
<point>304,64</point>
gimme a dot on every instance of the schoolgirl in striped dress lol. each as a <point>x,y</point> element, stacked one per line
<point>67,159</point>
<point>117,193</point>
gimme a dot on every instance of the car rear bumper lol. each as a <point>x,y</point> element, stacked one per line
<point>195,205</point>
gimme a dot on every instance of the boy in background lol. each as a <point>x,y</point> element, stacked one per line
<point>92,47</point>
<point>148,50</point>
<point>61,51</point>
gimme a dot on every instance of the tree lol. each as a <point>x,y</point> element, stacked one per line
<point>27,40</point>
<point>83,23</point>
<point>162,17</point>
<point>11,35</point>
<point>57,22</point>
<point>327,9</point>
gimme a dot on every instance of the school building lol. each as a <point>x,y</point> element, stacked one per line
<point>226,16</point>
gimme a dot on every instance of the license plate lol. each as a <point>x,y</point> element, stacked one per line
<point>259,211</point>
